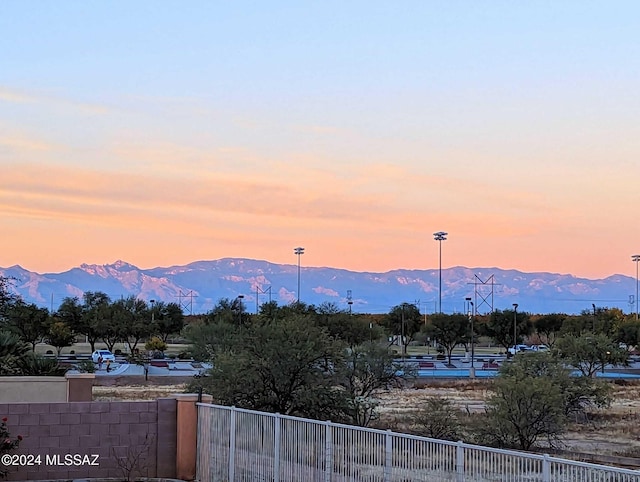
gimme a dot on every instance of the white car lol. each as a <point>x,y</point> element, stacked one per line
<point>105,354</point>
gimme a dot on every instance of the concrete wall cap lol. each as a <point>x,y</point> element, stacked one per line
<point>80,375</point>
<point>186,397</point>
<point>32,379</point>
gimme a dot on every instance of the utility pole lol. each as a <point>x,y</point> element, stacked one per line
<point>515,327</point>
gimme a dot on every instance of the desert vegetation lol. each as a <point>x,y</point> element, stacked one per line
<point>326,363</point>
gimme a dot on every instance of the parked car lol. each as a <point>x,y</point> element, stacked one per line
<point>105,354</point>
<point>539,348</point>
<point>518,349</point>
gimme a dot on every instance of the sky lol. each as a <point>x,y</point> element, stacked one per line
<point>165,132</point>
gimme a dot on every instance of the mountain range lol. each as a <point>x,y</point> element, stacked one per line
<point>198,286</point>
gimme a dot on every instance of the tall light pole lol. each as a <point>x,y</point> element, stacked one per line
<point>299,252</point>
<point>515,325</point>
<point>153,313</point>
<point>440,236</point>
<point>635,258</point>
<point>239,307</point>
<point>472,315</point>
<point>468,306</point>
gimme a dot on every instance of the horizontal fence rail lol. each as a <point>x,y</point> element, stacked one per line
<point>244,445</point>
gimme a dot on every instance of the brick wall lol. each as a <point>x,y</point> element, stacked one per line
<point>111,430</point>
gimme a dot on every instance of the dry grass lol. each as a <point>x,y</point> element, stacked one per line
<point>135,392</point>
<point>611,431</point>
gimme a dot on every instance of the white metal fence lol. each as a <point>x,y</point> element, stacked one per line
<point>245,445</point>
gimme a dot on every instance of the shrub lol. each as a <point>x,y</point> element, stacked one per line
<point>7,443</point>
<point>86,366</point>
<point>155,344</point>
<point>438,418</point>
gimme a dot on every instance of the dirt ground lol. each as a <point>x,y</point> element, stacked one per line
<point>612,431</point>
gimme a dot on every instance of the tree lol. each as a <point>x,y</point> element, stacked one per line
<point>628,332</point>
<point>28,321</point>
<point>156,346</point>
<point>131,320</point>
<point>402,323</point>
<point>549,326</point>
<point>439,419</point>
<point>532,400</point>
<point>16,358</point>
<point>500,327</point>
<point>7,298</point>
<point>449,330</point>
<point>59,336</point>
<point>342,325</point>
<point>607,320</point>
<point>523,409</point>
<point>368,369</point>
<point>12,353</point>
<point>590,352</point>
<point>287,366</point>
<point>229,311</point>
<point>169,319</point>
<point>86,318</point>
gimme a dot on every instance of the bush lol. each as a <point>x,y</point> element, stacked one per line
<point>86,366</point>
<point>7,443</point>
<point>155,344</point>
<point>438,418</point>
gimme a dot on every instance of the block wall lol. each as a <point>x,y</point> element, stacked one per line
<point>93,439</point>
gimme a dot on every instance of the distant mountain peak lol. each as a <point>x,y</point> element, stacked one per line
<point>199,285</point>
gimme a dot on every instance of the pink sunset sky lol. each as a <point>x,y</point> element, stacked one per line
<point>162,133</point>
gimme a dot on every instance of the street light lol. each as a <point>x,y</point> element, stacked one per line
<point>152,311</point>
<point>440,236</point>
<point>239,307</point>
<point>468,307</point>
<point>472,315</point>
<point>635,258</point>
<point>298,251</point>
<point>515,332</point>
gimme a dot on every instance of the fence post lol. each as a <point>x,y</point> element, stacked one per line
<point>328,451</point>
<point>546,468</point>
<point>276,448</point>
<point>186,435</point>
<point>460,461</point>
<point>388,455</point>
<point>232,445</point>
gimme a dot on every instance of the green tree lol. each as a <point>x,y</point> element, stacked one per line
<point>628,332</point>
<point>438,418</point>
<point>16,358</point>
<point>368,369</point>
<point>342,325</point>
<point>449,330</point>
<point>7,297</point>
<point>155,344</point>
<point>549,327</point>
<point>169,319</point>
<point>86,318</point>
<point>523,409</point>
<point>500,327</point>
<point>532,400</point>
<point>403,322</point>
<point>286,367</point>
<point>590,352</point>
<point>131,321</point>
<point>229,311</point>
<point>60,336</point>
<point>13,350</point>
<point>28,321</point>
